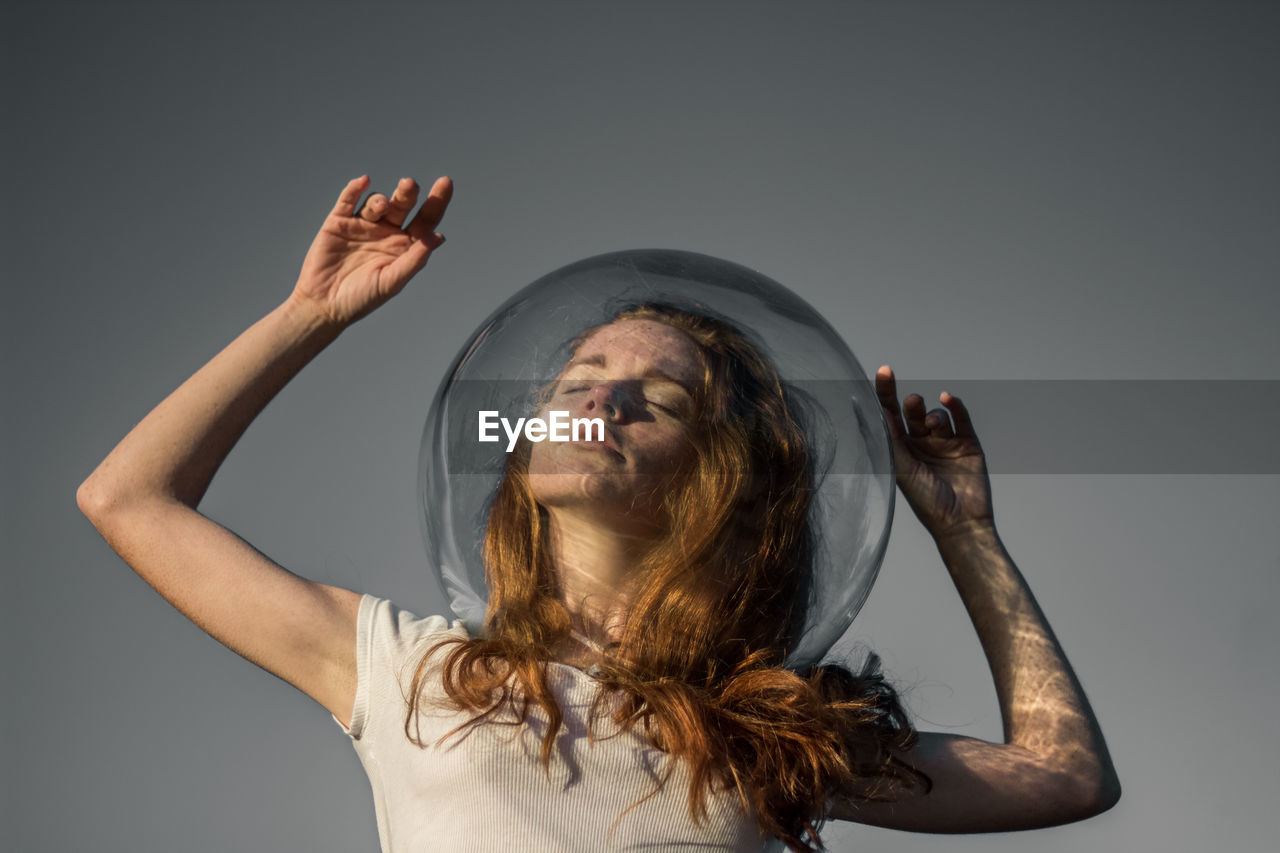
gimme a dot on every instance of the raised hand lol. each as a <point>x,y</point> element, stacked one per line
<point>940,468</point>
<point>361,258</point>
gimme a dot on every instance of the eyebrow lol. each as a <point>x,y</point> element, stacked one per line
<point>598,360</point>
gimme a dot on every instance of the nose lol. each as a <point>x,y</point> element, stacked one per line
<point>605,399</point>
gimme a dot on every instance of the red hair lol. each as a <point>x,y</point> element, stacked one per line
<point>721,602</point>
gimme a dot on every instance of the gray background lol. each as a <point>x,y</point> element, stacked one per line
<point>967,191</point>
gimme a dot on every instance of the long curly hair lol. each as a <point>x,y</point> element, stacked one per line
<point>721,601</point>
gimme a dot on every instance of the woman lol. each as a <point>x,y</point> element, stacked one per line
<point>700,708</point>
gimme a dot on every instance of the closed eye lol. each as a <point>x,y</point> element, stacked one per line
<point>668,410</point>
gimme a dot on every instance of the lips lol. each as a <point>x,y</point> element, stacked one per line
<point>609,445</point>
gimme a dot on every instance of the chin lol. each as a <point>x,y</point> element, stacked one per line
<point>594,483</point>
<point>559,474</point>
<point>615,500</point>
<point>612,490</point>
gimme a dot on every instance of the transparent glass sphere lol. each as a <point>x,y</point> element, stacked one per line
<point>522,347</point>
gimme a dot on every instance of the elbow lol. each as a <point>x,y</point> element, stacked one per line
<point>1097,796</point>
<point>1107,796</point>
<point>89,499</point>
<point>1106,784</point>
<point>1078,793</point>
<point>107,504</point>
<point>96,500</point>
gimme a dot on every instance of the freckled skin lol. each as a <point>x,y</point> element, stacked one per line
<point>613,377</point>
<point>1053,765</point>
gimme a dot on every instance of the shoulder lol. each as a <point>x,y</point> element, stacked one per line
<point>389,632</point>
<point>385,616</point>
<point>391,641</point>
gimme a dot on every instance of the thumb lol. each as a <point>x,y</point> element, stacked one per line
<point>414,258</point>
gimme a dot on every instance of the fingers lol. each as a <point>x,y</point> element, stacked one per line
<point>424,224</point>
<point>936,422</point>
<point>964,426</point>
<point>374,208</point>
<point>886,390</point>
<point>394,210</point>
<point>350,194</point>
<point>912,410</point>
<point>401,201</point>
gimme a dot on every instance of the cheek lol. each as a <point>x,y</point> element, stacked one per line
<point>550,458</point>
<point>537,459</point>
<point>673,455</point>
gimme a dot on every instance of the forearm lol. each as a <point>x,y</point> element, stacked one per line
<point>1042,703</point>
<point>177,448</point>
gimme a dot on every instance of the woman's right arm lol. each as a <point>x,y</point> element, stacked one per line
<point>142,498</point>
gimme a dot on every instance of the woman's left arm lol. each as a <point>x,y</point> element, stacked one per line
<point>1054,766</point>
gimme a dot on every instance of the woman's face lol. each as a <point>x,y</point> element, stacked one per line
<point>637,376</point>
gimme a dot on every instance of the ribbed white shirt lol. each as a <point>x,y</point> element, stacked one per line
<point>486,789</point>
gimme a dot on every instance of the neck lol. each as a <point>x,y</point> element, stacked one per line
<point>597,569</point>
